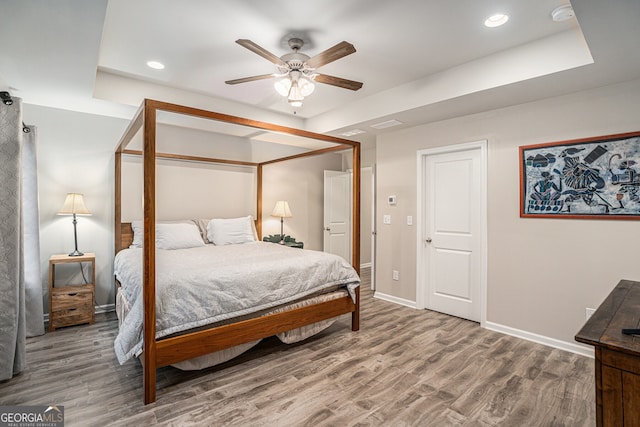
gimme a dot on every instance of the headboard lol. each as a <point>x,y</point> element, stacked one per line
<point>126,236</point>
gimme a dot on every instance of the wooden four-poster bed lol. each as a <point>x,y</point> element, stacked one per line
<point>159,352</point>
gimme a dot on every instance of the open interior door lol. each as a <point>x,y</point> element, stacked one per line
<point>337,213</point>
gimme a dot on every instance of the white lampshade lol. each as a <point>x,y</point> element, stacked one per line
<point>295,95</point>
<point>306,86</point>
<point>282,210</point>
<point>74,204</point>
<point>282,86</point>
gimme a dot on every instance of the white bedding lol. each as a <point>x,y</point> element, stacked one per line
<point>204,285</point>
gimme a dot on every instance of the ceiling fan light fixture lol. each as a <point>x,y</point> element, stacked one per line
<point>296,70</point>
<point>283,86</point>
<point>306,86</point>
<point>295,95</point>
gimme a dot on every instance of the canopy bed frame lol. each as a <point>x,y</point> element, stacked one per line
<point>162,352</point>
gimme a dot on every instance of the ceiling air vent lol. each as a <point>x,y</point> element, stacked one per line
<point>387,124</point>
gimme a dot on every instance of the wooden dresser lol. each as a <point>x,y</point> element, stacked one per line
<point>617,356</point>
<point>71,304</point>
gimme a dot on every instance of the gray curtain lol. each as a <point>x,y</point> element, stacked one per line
<point>13,257</point>
<point>31,234</point>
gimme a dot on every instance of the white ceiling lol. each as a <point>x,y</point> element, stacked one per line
<point>419,60</point>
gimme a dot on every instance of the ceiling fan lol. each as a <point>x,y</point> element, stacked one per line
<point>298,71</point>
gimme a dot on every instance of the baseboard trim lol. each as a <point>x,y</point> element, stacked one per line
<point>397,300</point>
<point>105,308</point>
<point>541,339</point>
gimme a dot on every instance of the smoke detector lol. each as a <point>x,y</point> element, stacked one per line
<point>563,13</point>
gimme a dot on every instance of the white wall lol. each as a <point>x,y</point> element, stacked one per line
<point>75,154</point>
<point>537,282</point>
<point>190,190</point>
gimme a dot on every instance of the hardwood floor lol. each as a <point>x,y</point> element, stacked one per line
<point>405,367</point>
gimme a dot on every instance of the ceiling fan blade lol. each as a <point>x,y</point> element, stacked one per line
<point>249,79</point>
<point>337,81</point>
<point>261,51</point>
<point>334,53</point>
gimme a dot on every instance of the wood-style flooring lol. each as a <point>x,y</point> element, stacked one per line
<point>405,367</point>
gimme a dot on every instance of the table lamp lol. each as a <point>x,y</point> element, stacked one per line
<point>282,210</point>
<point>74,205</point>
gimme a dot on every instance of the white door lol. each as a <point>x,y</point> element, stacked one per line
<point>452,232</point>
<point>337,213</point>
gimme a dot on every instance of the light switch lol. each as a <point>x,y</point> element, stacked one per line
<point>409,220</point>
<point>386,219</point>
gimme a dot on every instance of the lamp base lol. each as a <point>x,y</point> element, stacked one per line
<point>76,253</point>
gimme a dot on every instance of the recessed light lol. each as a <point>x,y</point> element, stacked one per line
<point>563,13</point>
<point>496,20</point>
<point>155,65</point>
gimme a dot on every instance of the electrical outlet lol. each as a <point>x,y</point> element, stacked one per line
<point>386,219</point>
<point>396,275</point>
<point>589,312</point>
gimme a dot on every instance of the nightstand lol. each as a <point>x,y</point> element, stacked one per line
<point>288,241</point>
<point>71,304</point>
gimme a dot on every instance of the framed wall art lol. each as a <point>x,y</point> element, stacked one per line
<point>596,178</point>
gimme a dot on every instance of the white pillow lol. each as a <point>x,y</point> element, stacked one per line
<point>178,236</point>
<point>169,237</point>
<point>231,231</point>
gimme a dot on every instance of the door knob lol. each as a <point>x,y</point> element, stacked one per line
<point>428,240</point>
<point>327,229</point>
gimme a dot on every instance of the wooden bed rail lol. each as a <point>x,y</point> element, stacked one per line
<point>183,347</point>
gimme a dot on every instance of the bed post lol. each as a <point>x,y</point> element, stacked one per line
<point>118,202</point>
<point>259,202</point>
<point>355,242</point>
<point>149,254</point>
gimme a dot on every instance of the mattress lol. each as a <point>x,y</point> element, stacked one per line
<point>203,286</point>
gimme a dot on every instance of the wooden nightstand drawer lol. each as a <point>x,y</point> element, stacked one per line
<point>68,297</point>
<point>72,316</point>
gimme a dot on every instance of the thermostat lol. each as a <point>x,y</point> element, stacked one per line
<point>391,200</point>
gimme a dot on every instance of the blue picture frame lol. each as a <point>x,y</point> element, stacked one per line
<point>591,178</point>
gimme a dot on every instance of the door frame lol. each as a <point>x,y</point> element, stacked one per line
<point>373,231</point>
<point>421,249</point>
